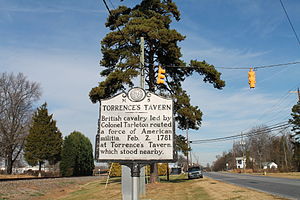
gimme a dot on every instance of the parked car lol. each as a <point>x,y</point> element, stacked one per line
<point>195,172</point>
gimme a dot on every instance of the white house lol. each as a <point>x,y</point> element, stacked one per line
<point>269,165</point>
<point>2,164</point>
<point>23,168</point>
<point>240,162</point>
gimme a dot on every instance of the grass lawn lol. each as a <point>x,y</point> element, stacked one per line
<point>178,188</point>
<point>8,176</point>
<point>293,175</point>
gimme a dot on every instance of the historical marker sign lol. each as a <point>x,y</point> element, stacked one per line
<point>137,126</point>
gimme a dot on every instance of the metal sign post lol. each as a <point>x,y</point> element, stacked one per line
<point>135,129</point>
<point>135,174</point>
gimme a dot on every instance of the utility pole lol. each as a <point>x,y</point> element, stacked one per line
<point>138,185</point>
<point>188,143</point>
<point>136,188</point>
<point>191,156</point>
<point>142,63</point>
<point>284,144</point>
<point>298,91</point>
<point>298,95</point>
<point>142,186</point>
<point>137,171</point>
<point>242,143</point>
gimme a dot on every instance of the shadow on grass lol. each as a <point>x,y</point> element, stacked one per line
<point>174,180</point>
<point>112,180</point>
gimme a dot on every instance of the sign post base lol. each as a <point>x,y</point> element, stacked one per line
<point>135,179</point>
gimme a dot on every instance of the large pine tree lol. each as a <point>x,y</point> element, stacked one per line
<point>44,141</point>
<point>151,19</point>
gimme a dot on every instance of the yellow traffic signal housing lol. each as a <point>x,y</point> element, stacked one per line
<point>160,75</point>
<point>251,78</point>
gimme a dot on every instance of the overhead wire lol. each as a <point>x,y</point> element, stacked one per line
<point>280,113</point>
<point>272,75</point>
<point>277,65</point>
<point>264,66</point>
<point>290,22</point>
<point>109,11</point>
<point>112,5</point>
<point>279,102</point>
<point>276,108</point>
<point>237,137</point>
<point>258,67</point>
<point>275,127</point>
<point>246,68</point>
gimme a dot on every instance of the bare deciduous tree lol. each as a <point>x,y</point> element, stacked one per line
<point>17,96</point>
<point>259,142</point>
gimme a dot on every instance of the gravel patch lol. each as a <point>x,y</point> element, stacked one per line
<point>32,189</point>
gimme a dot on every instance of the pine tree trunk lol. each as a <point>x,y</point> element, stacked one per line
<point>153,166</point>
<point>168,173</point>
<point>40,169</point>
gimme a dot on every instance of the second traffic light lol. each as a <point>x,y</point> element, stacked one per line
<point>160,75</point>
<point>251,78</point>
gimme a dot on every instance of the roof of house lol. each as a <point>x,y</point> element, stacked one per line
<point>268,163</point>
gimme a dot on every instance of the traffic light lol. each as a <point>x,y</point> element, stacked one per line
<point>251,78</point>
<point>160,75</point>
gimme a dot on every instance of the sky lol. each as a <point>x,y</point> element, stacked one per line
<point>57,44</point>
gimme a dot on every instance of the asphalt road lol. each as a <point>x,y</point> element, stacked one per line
<point>284,187</point>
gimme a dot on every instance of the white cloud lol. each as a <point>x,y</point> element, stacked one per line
<point>66,79</point>
<point>230,112</point>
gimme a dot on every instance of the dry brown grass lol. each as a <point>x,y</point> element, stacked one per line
<point>179,188</point>
<point>14,176</point>
<point>293,175</point>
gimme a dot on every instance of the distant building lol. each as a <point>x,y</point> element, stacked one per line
<point>241,162</point>
<point>2,164</point>
<point>269,165</point>
<point>20,166</point>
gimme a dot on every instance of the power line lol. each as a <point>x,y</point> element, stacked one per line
<point>276,65</point>
<point>263,66</point>
<point>276,106</point>
<point>237,137</point>
<point>117,26</point>
<point>278,126</point>
<point>107,7</point>
<point>111,4</point>
<point>258,67</point>
<point>290,22</point>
